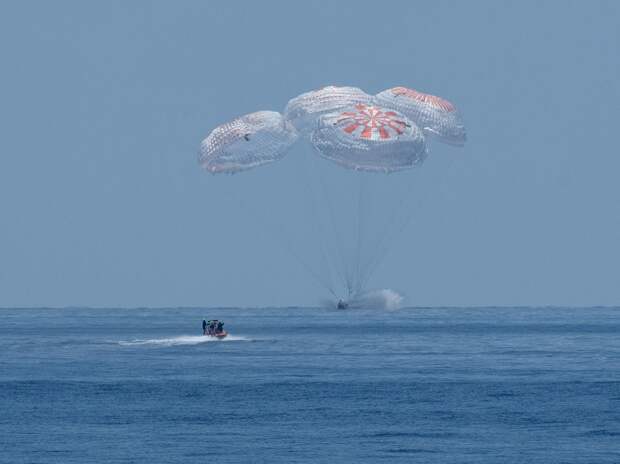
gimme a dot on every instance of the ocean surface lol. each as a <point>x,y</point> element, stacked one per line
<point>453,385</point>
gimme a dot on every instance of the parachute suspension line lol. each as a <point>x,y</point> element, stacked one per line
<point>360,225</point>
<point>408,217</point>
<point>284,242</point>
<point>349,127</point>
<point>331,232</point>
<point>375,239</point>
<point>336,233</point>
<point>312,272</point>
<point>318,225</point>
<point>376,244</point>
<point>394,226</point>
<point>398,219</point>
<point>371,238</point>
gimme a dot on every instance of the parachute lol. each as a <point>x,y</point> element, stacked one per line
<point>247,142</point>
<point>305,110</point>
<point>386,133</point>
<point>369,138</point>
<point>435,116</point>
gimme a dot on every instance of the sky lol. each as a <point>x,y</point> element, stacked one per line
<point>103,106</point>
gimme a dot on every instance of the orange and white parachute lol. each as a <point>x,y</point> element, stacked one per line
<point>305,110</point>
<point>434,115</point>
<point>247,142</point>
<point>380,134</point>
<point>370,138</point>
<point>383,133</point>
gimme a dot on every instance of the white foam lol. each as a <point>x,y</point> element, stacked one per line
<point>182,340</point>
<point>385,298</point>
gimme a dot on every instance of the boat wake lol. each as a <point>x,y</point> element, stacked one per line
<point>182,340</point>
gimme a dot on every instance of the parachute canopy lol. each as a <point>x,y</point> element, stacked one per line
<point>434,115</point>
<point>304,110</point>
<point>370,138</point>
<point>247,142</point>
<point>380,134</point>
<point>383,133</point>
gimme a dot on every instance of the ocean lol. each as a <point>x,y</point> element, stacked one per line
<point>289,385</point>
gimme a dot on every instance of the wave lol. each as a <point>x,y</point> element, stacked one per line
<point>182,340</point>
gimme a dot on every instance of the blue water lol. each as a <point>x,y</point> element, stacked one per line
<point>301,385</point>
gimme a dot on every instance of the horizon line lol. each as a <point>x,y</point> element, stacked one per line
<point>72,307</point>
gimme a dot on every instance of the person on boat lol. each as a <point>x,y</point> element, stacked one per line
<point>220,327</point>
<point>212,327</point>
<point>204,327</point>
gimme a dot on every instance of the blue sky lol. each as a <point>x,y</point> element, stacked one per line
<point>104,104</point>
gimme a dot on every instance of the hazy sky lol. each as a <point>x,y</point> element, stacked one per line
<point>103,106</point>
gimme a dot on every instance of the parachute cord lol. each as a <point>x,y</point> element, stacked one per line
<point>333,245</point>
<point>360,225</point>
<point>311,271</point>
<point>318,225</point>
<point>393,229</point>
<point>284,242</point>
<point>336,234</point>
<point>369,240</point>
<point>406,216</point>
<point>317,219</point>
<point>443,177</point>
<point>378,243</point>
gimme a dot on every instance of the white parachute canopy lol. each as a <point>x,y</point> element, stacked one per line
<point>305,110</point>
<point>370,138</point>
<point>435,116</point>
<point>353,225</point>
<point>247,142</point>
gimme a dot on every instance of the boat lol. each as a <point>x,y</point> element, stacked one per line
<point>214,328</point>
<point>342,304</point>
